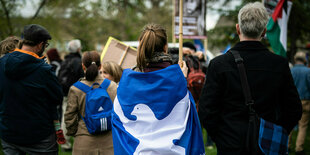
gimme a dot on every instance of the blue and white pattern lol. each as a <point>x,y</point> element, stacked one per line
<point>154,113</point>
<point>273,139</point>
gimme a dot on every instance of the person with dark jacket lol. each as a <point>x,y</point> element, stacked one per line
<point>70,72</point>
<point>29,94</point>
<point>222,108</point>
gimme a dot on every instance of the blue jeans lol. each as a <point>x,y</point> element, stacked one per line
<point>47,146</point>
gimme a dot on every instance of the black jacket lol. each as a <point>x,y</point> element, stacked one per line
<point>29,94</point>
<point>70,71</point>
<point>222,110</point>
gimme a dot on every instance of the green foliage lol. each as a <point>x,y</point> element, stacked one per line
<point>91,21</point>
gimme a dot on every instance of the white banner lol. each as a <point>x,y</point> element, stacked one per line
<point>194,19</point>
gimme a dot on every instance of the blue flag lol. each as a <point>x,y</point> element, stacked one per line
<point>199,45</point>
<point>154,113</point>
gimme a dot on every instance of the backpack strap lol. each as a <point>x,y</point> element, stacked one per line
<point>105,84</point>
<point>190,62</point>
<point>85,88</point>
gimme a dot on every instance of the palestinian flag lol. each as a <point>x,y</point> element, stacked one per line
<point>277,27</point>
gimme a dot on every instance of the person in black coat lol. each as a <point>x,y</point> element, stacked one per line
<point>29,94</point>
<point>222,108</point>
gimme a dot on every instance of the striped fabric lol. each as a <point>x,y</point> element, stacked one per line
<point>273,139</point>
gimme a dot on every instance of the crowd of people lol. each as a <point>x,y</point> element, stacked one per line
<point>157,103</point>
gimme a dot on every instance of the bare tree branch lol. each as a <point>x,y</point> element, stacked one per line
<point>7,15</point>
<point>43,2</point>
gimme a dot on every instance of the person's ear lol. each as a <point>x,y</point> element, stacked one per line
<point>238,29</point>
<point>84,68</point>
<point>264,32</point>
<point>166,48</point>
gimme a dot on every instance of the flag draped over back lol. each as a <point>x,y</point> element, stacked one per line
<point>277,27</point>
<point>154,113</point>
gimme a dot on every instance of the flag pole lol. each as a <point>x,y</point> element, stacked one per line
<point>173,22</point>
<point>206,47</point>
<point>181,33</point>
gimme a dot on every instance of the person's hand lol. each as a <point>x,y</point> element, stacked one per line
<point>199,54</point>
<point>183,68</point>
<point>187,51</point>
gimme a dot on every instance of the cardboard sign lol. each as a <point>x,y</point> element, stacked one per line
<point>120,53</point>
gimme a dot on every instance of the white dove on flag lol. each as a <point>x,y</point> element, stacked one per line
<point>156,136</point>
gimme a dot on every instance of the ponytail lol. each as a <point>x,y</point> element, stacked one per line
<point>91,61</point>
<point>152,39</point>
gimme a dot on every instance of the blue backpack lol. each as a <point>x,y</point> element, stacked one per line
<point>98,106</point>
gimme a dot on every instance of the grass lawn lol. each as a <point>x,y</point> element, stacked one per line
<point>306,145</point>
<point>213,151</point>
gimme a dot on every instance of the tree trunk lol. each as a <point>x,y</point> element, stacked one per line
<point>8,18</point>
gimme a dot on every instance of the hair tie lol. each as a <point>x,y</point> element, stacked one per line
<point>93,63</point>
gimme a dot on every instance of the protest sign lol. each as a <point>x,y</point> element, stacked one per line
<point>119,53</point>
<point>194,23</point>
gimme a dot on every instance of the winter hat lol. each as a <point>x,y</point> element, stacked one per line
<point>35,33</point>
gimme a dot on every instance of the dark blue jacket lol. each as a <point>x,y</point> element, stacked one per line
<point>301,76</point>
<point>29,94</point>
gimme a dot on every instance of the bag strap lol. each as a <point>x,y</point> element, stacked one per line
<point>191,61</point>
<point>85,88</point>
<point>244,80</point>
<point>105,84</point>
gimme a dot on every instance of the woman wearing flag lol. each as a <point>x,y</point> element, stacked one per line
<point>84,142</point>
<point>154,112</point>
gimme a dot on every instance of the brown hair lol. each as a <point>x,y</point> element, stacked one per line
<point>152,39</point>
<point>91,61</point>
<point>113,69</point>
<point>9,44</point>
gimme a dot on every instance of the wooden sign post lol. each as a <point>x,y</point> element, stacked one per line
<point>181,33</point>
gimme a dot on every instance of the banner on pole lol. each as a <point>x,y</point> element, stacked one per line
<point>194,15</point>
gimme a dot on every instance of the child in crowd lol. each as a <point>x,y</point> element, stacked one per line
<point>55,61</point>
<point>112,71</point>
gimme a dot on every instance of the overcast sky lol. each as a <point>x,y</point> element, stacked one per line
<point>212,16</point>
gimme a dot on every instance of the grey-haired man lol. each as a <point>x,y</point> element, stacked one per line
<point>222,108</point>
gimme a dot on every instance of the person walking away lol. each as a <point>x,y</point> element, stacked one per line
<point>153,112</point>
<point>29,94</point>
<point>55,61</point>
<point>301,76</point>
<point>112,71</point>
<point>222,108</point>
<point>70,72</point>
<point>84,142</point>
